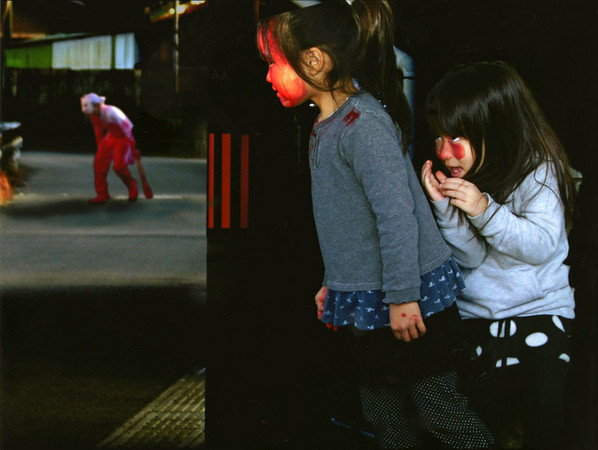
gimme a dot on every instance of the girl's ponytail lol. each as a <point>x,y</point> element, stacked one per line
<point>377,70</point>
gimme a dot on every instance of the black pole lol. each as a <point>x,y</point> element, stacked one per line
<point>6,30</point>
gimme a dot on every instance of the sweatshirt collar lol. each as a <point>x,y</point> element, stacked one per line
<point>340,112</point>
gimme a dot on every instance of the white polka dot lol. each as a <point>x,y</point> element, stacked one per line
<point>510,362</point>
<point>494,329</point>
<point>513,328</point>
<point>478,350</point>
<point>564,357</point>
<point>557,322</point>
<point>536,339</point>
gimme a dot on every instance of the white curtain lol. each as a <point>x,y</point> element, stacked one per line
<point>95,53</point>
<point>125,51</point>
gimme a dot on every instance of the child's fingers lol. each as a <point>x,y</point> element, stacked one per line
<point>440,176</point>
<point>410,333</point>
<point>426,168</point>
<point>426,172</point>
<point>452,183</point>
<point>421,327</point>
<point>320,299</point>
<point>430,183</point>
<point>413,331</point>
<point>458,184</point>
<point>454,193</point>
<point>427,183</point>
<point>402,334</point>
<point>319,309</point>
<point>321,294</point>
<point>456,188</point>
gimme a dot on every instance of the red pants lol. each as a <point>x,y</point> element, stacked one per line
<point>119,150</point>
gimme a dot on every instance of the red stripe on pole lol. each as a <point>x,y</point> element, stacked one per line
<point>211,181</point>
<point>226,181</point>
<point>244,181</point>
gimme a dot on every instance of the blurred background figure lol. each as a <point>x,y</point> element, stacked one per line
<point>116,143</point>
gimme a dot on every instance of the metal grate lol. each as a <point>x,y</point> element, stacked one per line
<point>176,419</point>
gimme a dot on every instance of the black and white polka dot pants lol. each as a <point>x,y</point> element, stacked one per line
<point>516,377</point>
<point>399,414</point>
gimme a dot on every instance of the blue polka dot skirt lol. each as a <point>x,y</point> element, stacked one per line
<point>366,310</point>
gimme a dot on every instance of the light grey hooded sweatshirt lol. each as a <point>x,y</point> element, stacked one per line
<point>515,266</point>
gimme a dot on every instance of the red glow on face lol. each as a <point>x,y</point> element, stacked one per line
<point>291,88</point>
<point>446,148</point>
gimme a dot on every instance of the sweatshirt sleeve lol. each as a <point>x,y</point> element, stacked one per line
<point>469,249</point>
<point>375,154</point>
<point>532,234</point>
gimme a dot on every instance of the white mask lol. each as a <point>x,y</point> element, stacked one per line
<point>89,100</point>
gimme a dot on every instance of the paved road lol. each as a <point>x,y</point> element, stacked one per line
<point>102,308</point>
<point>51,237</point>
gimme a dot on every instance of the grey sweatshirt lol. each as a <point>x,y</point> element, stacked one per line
<point>375,226</point>
<point>516,267</point>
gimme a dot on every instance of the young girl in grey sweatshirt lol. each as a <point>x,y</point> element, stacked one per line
<point>390,281</point>
<point>504,210</point>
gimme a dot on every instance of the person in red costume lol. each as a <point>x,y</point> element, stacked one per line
<point>116,144</point>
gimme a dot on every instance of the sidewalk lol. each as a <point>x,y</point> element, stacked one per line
<point>175,419</point>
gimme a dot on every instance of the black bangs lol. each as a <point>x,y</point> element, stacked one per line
<point>449,116</point>
<point>459,105</point>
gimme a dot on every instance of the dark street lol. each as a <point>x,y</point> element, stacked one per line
<point>78,363</point>
<point>102,308</point>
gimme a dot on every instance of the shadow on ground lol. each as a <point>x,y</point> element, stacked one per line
<point>77,363</point>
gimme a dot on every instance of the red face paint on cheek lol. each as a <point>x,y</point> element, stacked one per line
<point>457,149</point>
<point>447,149</point>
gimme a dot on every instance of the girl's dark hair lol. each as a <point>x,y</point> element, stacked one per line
<point>489,104</point>
<point>359,40</point>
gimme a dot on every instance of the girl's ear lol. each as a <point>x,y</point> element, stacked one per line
<point>315,61</point>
